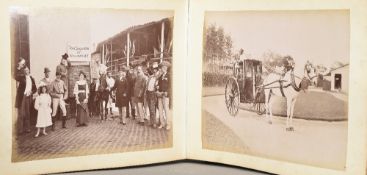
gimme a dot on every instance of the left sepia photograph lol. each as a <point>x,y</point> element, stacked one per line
<point>90,81</point>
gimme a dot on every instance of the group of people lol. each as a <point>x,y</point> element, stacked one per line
<point>137,93</point>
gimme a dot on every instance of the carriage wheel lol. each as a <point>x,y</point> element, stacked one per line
<point>260,108</point>
<point>232,96</point>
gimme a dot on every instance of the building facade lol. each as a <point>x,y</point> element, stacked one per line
<point>340,79</point>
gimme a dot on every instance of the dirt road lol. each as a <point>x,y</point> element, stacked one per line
<point>317,143</point>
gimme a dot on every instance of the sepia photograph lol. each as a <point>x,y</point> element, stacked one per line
<point>90,81</point>
<point>275,85</point>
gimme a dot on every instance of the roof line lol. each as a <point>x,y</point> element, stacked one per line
<point>339,67</point>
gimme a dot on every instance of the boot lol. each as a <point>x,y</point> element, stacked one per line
<point>64,122</point>
<point>133,113</point>
<point>53,124</point>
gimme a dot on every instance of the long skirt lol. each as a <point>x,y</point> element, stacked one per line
<point>82,113</point>
<point>44,117</point>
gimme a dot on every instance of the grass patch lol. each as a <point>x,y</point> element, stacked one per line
<point>314,106</point>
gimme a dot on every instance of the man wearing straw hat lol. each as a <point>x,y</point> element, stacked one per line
<point>163,96</point>
<point>151,95</point>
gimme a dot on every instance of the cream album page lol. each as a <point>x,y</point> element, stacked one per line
<point>91,84</point>
<point>283,85</point>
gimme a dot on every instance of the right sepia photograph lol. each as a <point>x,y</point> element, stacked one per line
<point>275,85</point>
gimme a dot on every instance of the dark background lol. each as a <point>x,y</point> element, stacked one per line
<point>182,167</point>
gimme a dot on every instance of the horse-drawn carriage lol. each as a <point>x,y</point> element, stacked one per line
<point>245,87</point>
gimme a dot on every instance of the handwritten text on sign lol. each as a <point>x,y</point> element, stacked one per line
<point>79,53</point>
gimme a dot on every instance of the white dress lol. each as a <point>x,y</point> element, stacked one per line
<point>42,104</point>
<point>110,84</point>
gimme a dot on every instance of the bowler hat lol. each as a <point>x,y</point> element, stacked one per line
<point>65,56</point>
<point>46,70</point>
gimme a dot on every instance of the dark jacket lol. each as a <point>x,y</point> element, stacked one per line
<point>140,85</point>
<point>164,82</point>
<point>92,92</point>
<point>21,88</point>
<point>131,80</point>
<point>122,92</point>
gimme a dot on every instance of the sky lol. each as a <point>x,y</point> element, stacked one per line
<point>319,36</point>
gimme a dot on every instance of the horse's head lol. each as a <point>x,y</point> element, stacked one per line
<point>310,73</point>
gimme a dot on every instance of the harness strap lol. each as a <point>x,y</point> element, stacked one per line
<point>271,91</point>
<point>281,88</point>
<point>264,85</point>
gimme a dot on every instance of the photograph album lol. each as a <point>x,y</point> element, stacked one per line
<point>274,86</point>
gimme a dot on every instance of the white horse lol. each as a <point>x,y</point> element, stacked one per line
<point>285,86</point>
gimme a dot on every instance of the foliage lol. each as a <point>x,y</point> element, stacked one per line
<point>211,79</point>
<point>218,44</point>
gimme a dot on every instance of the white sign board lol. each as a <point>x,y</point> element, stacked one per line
<point>79,53</point>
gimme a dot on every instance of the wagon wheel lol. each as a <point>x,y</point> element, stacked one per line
<point>232,96</point>
<point>259,102</point>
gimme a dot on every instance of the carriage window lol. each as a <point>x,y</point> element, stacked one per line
<point>248,69</point>
<point>240,73</point>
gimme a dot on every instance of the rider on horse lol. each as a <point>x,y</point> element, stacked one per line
<point>103,91</point>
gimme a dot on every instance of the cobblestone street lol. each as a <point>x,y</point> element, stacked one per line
<point>96,138</point>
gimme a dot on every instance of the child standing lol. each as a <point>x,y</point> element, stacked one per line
<point>43,105</point>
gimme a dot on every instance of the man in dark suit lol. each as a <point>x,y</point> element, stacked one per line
<point>130,106</point>
<point>26,88</point>
<point>139,91</point>
<point>122,95</point>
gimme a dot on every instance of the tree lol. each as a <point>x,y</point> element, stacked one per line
<point>218,44</point>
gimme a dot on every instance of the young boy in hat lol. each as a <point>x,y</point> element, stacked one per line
<point>58,94</point>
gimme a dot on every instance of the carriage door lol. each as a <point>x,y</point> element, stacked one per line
<point>338,81</point>
<point>248,81</point>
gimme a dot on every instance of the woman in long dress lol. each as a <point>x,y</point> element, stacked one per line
<point>81,92</point>
<point>43,105</point>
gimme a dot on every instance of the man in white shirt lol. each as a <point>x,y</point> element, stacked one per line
<point>110,83</point>
<point>151,94</point>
